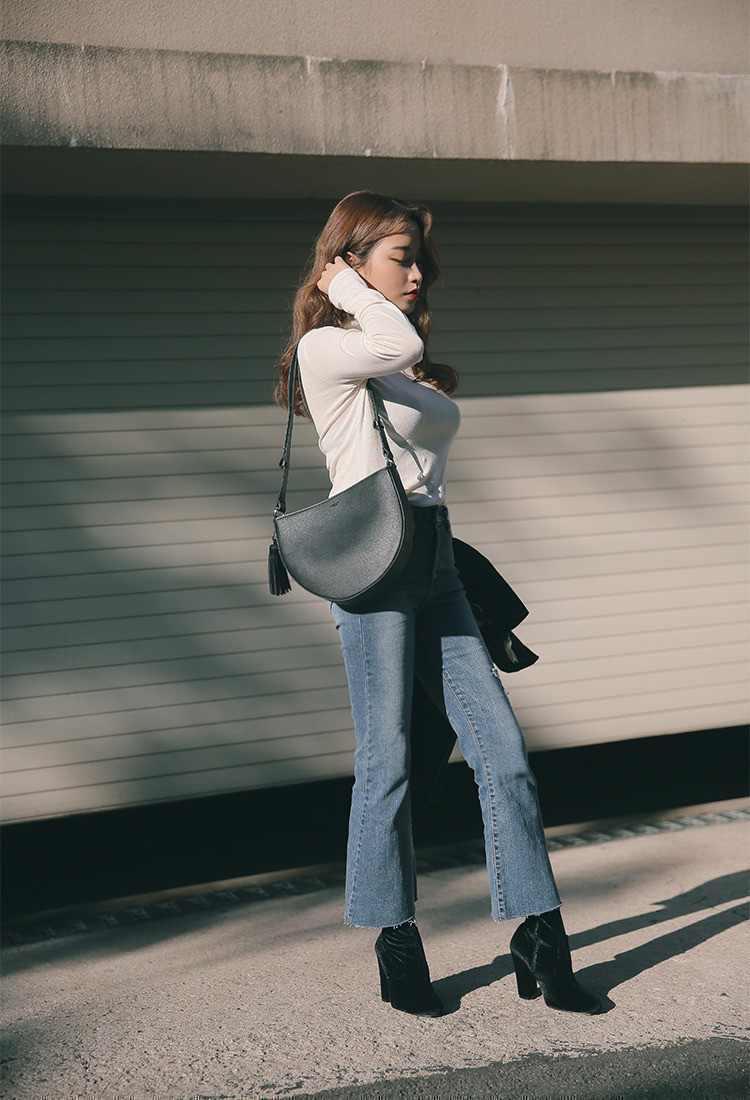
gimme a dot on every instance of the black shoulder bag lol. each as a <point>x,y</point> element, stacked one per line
<point>346,548</point>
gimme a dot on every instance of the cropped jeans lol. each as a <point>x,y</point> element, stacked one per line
<point>422,625</point>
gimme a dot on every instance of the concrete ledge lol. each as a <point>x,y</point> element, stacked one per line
<point>107,98</point>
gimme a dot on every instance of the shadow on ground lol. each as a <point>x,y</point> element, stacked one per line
<point>712,1069</point>
<point>606,976</point>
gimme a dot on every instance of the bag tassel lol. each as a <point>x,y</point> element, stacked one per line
<point>278,578</point>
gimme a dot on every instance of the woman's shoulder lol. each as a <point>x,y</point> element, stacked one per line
<point>324,335</point>
<point>325,332</point>
<point>321,342</point>
<point>320,352</point>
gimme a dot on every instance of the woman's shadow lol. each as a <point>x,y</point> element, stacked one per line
<point>602,977</point>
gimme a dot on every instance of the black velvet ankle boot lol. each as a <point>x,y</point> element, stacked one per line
<point>404,974</point>
<point>541,957</point>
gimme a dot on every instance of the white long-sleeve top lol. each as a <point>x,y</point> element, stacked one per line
<point>379,344</point>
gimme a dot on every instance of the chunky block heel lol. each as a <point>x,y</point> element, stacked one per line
<point>541,954</point>
<point>385,994</point>
<point>528,987</point>
<point>404,974</point>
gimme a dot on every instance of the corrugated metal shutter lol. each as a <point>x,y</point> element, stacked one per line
<point>609,482</point>
<point>599,465</point>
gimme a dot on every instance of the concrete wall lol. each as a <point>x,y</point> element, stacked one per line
<point>635,35</point>
<point>148,99</point>
<point>463,122</point>
<point>490,100</point>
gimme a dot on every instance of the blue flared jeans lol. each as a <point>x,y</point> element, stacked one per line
<point>422,625</point>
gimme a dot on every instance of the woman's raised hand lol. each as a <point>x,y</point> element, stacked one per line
<point>330,272</point>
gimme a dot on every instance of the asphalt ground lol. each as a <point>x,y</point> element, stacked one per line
<point>257,990</point>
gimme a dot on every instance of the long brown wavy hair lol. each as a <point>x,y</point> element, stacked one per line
<point>355,226</point>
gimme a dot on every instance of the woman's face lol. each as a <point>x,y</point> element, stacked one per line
<point>393,268</point>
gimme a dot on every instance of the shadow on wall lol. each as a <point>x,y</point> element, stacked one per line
<point>145,651</point>
<point>147,661</point>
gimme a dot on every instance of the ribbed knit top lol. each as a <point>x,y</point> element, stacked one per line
<point>380,344</point>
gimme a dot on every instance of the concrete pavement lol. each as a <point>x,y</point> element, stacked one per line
<point>261,992</point>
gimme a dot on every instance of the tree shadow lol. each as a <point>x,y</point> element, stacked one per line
<point>603,977</point>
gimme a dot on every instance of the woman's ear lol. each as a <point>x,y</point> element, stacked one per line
<point>352,260</point>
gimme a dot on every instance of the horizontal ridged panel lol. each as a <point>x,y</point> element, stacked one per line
<point>233,280</point>
<point>165,787</point>
<point>601,465</point>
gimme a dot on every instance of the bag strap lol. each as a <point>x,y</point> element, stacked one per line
<point>284,462</point>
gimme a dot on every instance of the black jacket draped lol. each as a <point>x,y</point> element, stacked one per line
<point>497,610</point>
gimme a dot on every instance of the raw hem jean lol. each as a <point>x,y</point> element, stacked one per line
<point>422,624</point>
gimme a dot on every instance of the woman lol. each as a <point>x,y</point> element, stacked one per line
<point>362,314</point>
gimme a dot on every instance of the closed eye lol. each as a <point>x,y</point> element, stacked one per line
<point>406,259</point>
